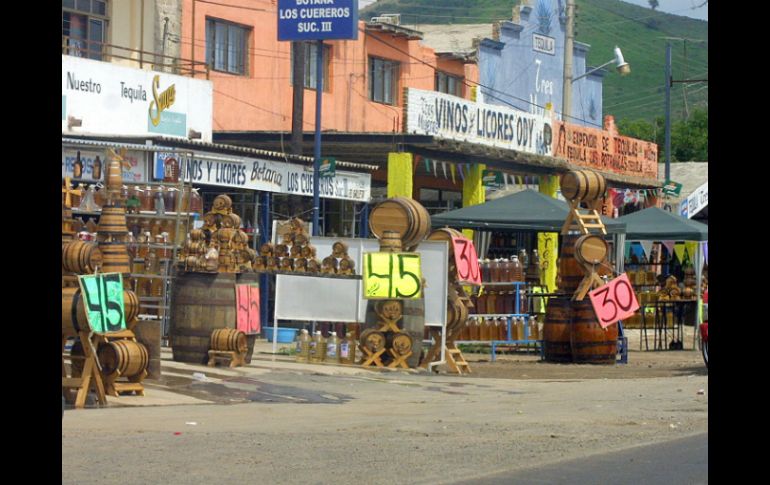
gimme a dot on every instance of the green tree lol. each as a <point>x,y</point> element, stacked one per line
<point>689,138</point>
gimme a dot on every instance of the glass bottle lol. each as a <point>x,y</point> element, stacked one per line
<point>196,202</point>
<point>169,198</point>
<point>315,344</point>
<point>145,198</point>
<point>494,271</point>
<point>491,303</point>
<point>97,169</point>
<point>534,267</point>
<point>156,228</point>
<point>151,264</point>
<point>171,171</point>
<point>481,303</point>
<point>332,349</point>
<point>516,272</point>
<point>474,329</point>
<point>303,346</point>
<point>78,197</point>
<point>77,167</point>
<point>159,205</point>
<point>484,265</point>
<point>523,258</point>
<point>348,349</point>
<point>484,329</point>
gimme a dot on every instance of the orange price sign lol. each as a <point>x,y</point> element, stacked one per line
<point>466,260</point>
<point>614,301</point>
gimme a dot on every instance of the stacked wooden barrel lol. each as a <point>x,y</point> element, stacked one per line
<point>571,331</point>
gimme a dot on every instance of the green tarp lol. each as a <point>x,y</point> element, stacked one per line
<point>527,210</point>
<point>656,224</point>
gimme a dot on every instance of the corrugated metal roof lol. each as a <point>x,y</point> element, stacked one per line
<point>690,174</point>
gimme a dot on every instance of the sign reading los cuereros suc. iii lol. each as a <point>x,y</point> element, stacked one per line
<point>317,19</point>
<point>109,99</point>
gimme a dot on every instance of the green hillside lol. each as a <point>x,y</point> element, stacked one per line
<point>640,32</point>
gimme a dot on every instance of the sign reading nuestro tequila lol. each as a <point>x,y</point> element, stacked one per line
<point>446,116</point>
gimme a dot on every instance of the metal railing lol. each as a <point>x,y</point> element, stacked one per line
<point>102,51</point>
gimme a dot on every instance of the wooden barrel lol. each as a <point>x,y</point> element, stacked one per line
<point>77,359</point>
<point>115,258</point>
<point>591,249</point>
<point>200,303</point>
<point>556,330</point>
<point>112,221</point>
<point>373,339</point>
<point>73,314</point>
<point>571,272</point>
<point>456,316</point>
<point>123,357</point>
<point>228,339</point>
<point>130,306</point>
<point>405,216</point>
<point>584,185</point>
<point>401,343</point>
<point>390,242</point>
<point>592,344</point>
<point>81,257</point>
<point>445,234</point>
<point>221,203</point>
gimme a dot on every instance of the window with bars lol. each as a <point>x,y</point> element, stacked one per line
<point>311,62</point>
<point>446,83</point>
<point>84,28</point>
<point>226,46</point>
<point>383,80</point>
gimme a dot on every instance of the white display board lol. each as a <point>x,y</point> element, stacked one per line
<point>308,298</point>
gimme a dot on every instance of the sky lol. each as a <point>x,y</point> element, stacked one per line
<point>676,7</point>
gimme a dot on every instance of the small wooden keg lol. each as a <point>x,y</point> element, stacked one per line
<point>266,249</point>
<point>372,339</point>
<point>401,343</point>
<point>123,358</point>
<point>390,242</point>
<point>591,249</point>
<point>73,313</point>
<point>308,251</point>
<point>81,257</point>
<point>130,307</point>
<point>583,185</point>
<point>228,339</point>
<point>231,220</point>
<point>339,249</point>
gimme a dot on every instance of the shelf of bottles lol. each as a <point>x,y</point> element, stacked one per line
<point>158,217</point>
<point>499,315</point>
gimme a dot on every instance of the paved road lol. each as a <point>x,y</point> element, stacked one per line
<point>681,461</point>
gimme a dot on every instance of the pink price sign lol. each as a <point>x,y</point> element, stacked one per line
<point>614,301</point>
<point>466,260</point>
<point>247,308</point>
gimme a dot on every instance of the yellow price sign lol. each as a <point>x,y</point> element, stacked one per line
<point>392,275</point>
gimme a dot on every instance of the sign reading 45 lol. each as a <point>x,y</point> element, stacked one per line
<point>103,301</point>
<point>392,275</point>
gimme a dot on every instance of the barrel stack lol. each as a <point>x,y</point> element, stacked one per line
<point>571,330</point>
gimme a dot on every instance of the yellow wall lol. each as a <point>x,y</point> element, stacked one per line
<point>547,241</point>
<point>473,190</point>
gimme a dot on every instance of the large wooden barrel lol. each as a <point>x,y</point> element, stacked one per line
<point>571,272</point>
<point>228,339</point>
<point>123,357</point>
<point>584,185</point>
<point>112,221</point>
<point>405,216</point>
<point>200,303</point>
<point>556,330</point>
<point>115,258</point>
<point>73,313</point>
<point>592,344</point>
<point>81,257</point>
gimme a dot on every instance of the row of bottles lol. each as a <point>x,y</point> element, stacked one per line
<point>320,349</point>
<point>509,270</point>
<point>498,302</point>
<point>159,199</point>
<point>486,329</point>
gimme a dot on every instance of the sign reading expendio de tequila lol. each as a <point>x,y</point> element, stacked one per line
<point>114,100</point>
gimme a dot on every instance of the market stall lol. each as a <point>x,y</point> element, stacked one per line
<point>530,212</point>
<point>660,226</point>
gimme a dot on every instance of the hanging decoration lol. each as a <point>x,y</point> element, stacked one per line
<point>706,252</point>
<point>628,250</point>
<point>443,167</point>
<point>647,247</point>
<point>452,169</point>
<point>462,174</point>
<point>427,165</point>
<point>679,250</point>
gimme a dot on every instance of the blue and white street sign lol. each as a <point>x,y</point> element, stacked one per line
<point>317,19</point>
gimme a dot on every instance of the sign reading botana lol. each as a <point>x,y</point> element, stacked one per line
<point>114,100</point>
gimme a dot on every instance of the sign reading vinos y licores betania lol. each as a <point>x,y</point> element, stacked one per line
<point>446,116</point>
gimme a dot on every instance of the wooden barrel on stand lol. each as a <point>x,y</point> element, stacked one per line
<point>228,339</point>
<point>390,242</point>
<point>81,257</point>
<point>115,258</point>
<point>123,357</point>
<point>405,216</point>
<point>570,270</point>
<point>584,185</point>
<point>112,221</point>
<point>73,313</point>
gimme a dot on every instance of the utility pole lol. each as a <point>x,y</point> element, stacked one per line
<point>668,111</point>
<point>569,39</point>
